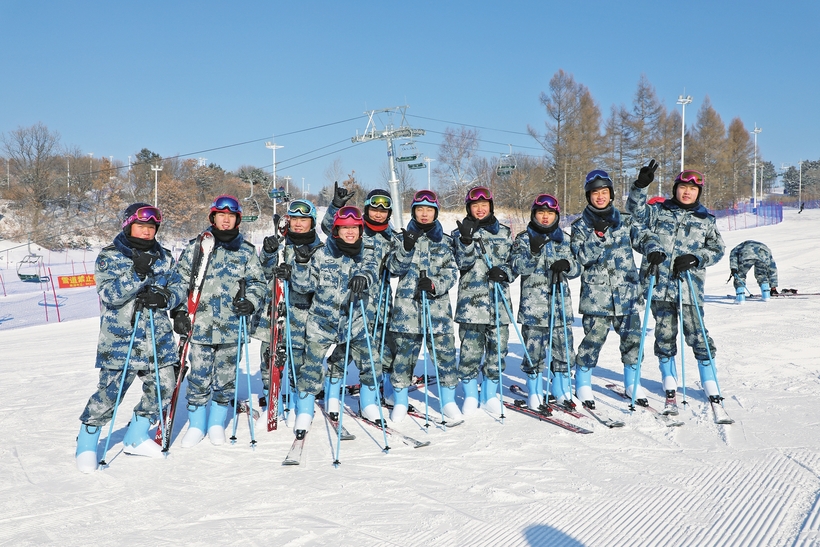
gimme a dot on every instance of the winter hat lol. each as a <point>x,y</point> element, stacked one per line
<point>689,176</point>
<point>479,193</point>
<point>303,208</point>
<point>427,198</point>
<point>598,179</point>
<point>140,212</point>
<point>545,202</point>
<point>386,204</point>
<point>227,203</point>
<point>347,216</point>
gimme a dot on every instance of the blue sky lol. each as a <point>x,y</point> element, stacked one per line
<point>195,78</point>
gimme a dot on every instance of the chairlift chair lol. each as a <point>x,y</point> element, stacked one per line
<point>408,152</point>
<point>506,165</point>
<point>28,269</point>
<point>420,165</point>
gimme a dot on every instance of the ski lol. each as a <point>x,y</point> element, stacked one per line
<point>609,422</point>
<point>277,358</point>
<point>294,456</point>
<point>521,406</point>
<point>517,390</point>
<point>410,441</point>
<point>411,411</point>
<point>670,407</point>
<point>243,407</point>
<point>199,267</point>
<point>346,435</point>
<point>663,418</point>
<point>721,416</point>
<point>417,382</point>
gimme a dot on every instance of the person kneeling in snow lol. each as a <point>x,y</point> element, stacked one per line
<point>133,274</point>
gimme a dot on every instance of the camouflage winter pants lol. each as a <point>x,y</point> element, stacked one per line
<point>100,406</point>
<point>212,375</point>
<point>666,330</point>
<point>387,351</point>
<point>311,375</point>
<point>537,340</point>
<point>298,318</point>
<point>407,352</point>
<point>481,341</point>
<point>765,272</point>
<point>596,329</point>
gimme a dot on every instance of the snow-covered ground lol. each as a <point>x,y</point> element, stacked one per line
<point>520,482</point>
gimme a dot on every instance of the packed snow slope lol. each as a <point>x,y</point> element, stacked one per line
<point>486,482</point>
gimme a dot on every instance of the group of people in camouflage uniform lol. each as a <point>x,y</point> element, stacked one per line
<point>338,289</point>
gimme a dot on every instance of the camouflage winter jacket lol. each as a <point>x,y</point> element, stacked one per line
<point>117,286</point>
<point>476,298</point>
<point>432,254</point>
<point>680,231</point>
<point>610,285</point>
<point>215,322</point>
<point>536,277</point>
<point>749,253</point>
<point>327,276</point>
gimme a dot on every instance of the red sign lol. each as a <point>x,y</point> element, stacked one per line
<point>75,281</point>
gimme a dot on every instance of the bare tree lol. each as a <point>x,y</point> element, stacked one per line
<point>455,169</point>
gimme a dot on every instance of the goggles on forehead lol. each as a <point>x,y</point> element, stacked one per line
<point>691,176</point>
<point>425,197</point>
<point>598,174</point>
<point>546,200</point>
<point>479,192</point>
<point>226,202</point>
<point>144,214</point>
<point>349,212</point>
<point>379,201</point>
<point>300,209</point>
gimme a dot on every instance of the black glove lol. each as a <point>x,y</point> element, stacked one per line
<point>358,285</point>
<point>410,238</point>
<point>270,244</point>
<point>560,265</point>
<point>182,323</point>
<point>154,297</point>
<point>497,275</point>
<point>684,263</point>
<point>426,285</point>
<point>536,243</point>
<point>733,272</point>
<point>282,271</point>
<point>600,225</point>
<point>656,257</point>
<point>303,253</point>
<point>242,306</point>
<point>466,230</point>
<point>646,174</point>
<point>341,195</point>
<point>143,262</point>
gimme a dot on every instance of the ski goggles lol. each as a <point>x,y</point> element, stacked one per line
<point>226,202</point>
<point>548,201</point>
<point>301,208</point>
<point>597,174</point>
<point>690,176</point>
<point>477,193</point>
<point>379,201</point>
<point>349,212</point>
<point>426,197</point>
<point>144,214</point>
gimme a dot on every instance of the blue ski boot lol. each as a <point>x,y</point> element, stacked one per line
<point>470,403</point>
<point>669,375</point>
<point>449,408</point>
<point>304,413</point>
<point>401,403</point>
<point>197,418</point>
<point>216,423</point>
<point>333,387</point>
<point>137,442</point>
<point>708,380</point>
<point>535,390</point>
<point>489,399</point>
<point>583,386</point>
<point>369,403</point>
<point>630,376</point>
<point>387,390</point>
<point>560,389</point>
<point>740,295</point>
<point>86,454</point>
<point>765,292</point>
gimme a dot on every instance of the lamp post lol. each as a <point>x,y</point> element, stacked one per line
<point>273,147</point>
<point>303,187</point>
<point>754,180</point>
<point>156,169</point>
<point>800,186</point>
<point>428,160</point>
<point>683,101</point>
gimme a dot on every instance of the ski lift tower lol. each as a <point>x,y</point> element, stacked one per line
<point>388,133</point>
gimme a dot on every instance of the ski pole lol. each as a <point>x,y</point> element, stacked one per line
<point>156,375</point>
<point>336,462</point>
<point>379,305</point>
<point>496,289</point>
<point>566,336</point>
<point>244,323</point>
<point>426,304</point>
<point>291,387</point>
<point>682,340</point>
<point>652,269</point>
<point>423,274</point>
<point>241,295</point>
<point>702,329</point>
<point>137,313</point>
<point>545,395</point>
<point>373,370</point>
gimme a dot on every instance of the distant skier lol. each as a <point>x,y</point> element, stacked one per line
<point>134,272</point>
<point>742,258</point>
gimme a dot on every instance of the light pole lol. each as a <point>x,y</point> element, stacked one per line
<point>800,186</point>
<point>683,101</point>
<point>156,169</point>
<point>754,180</point>
<point>273,147</point>
<point>428,160</point>
<point>303,187</point>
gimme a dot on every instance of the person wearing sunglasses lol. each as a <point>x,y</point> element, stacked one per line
<point>133,273</point>
<point>299,228</point>
<point>338,274</point>
<point>422,258</point>
<point>541,254</point>
<point>215,334</point>
<point>603,240</point>
<point>478,234</point>
<point>753,254</point>
<point>691,242</point>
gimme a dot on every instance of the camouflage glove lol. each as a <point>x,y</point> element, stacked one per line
<point>467,230</point>
<point>341,195</point>
<point>647,174</point>
<point>143,262</point>
<point>684,263</point>
<point>497,275</point>
<point>410,238</point>
<point>270,244</point>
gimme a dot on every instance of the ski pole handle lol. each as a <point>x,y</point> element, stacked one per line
<point>240,294</point>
